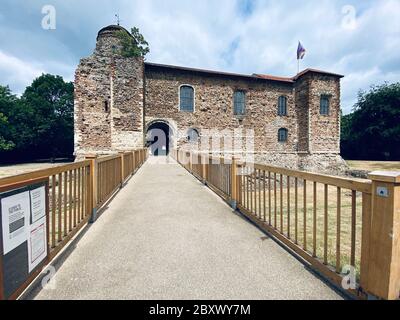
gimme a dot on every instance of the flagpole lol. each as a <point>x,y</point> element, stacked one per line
<point>298,66</point>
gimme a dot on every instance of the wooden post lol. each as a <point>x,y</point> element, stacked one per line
<point>93,186</point>
<point>234,184</point>
<point>382,277</point>
<point>121,154</point>
<point>204,168</point>
<point>133,161</point>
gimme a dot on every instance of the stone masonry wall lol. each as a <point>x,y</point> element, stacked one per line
<point>116,99</point>
<point>214,107</point>
<point>108,100</point>
<point>324,129</point>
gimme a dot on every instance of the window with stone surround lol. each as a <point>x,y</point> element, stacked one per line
<point>282,135</point>
<point>186,98</point>
<point>239,103</point>
<point>282,106</point>
<point>324,105</point>
<point>193,135</point>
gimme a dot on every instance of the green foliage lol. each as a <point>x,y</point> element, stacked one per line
<point>40,123</point>
<point>133,45</point>
<point>372,130</point>
<point>5,144</point>
<point>7,102</point>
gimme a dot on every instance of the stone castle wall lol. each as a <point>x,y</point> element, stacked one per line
<point>214,107</point>
<point>116,99</point>
<point>109,91</point>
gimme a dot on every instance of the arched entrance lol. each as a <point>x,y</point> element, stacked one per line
<point>158,137</point>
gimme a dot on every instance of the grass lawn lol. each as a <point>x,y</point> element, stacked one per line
<point>375,165</point>
<point>11,170</point>
<point>278,215</point>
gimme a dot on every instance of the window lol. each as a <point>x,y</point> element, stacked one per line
<point>106,107</point>
<point>186,99</point>
<point>192,135</point>
<point>282,106</point>
<point>239,103</point>
<point>282,135</point>
<point>324,106</point>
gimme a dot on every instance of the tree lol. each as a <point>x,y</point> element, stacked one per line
<point>40,123</point>
<point>7,102</point>
<point>5,144</point>
<point>372,130</point>
<point>134,44</point>
<point>51,105</point>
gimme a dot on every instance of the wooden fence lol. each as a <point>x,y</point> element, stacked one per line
<point>328,221</point>
<point>77,191</point>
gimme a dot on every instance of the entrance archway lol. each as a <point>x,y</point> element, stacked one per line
<point>158,138</point>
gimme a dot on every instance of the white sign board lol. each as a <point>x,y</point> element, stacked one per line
<point>38,203</point>
<point>37,243</point>
<point>15,220</point>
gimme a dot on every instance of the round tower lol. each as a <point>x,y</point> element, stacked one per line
<point>109,98</point>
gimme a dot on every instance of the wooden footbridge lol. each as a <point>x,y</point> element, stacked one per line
<point>167,229</point>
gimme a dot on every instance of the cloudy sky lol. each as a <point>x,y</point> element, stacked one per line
<point>360,39</point>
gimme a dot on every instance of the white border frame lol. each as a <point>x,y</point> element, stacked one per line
<point>179,98</point>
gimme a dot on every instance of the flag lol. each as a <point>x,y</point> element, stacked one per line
<point>300,51</point>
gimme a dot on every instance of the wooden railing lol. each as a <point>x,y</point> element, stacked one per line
<point>318,216</point>
<point>112,171</point>
<point>326,220</point>
<point>76,192</point>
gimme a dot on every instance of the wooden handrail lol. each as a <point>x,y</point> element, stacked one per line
<point>42,173</point>
<point>280,202</point>
<point>75,192</point>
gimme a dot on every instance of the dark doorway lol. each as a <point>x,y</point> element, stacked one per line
<point>158,138</point>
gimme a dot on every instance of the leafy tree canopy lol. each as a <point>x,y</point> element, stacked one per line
<point>133,45</point>
<point>7,102</point>
<point>372,130</point>
<point>40,123</point>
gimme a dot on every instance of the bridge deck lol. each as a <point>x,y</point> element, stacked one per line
<point>166,236</point>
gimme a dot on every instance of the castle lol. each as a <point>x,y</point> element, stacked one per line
<point>119,101</point>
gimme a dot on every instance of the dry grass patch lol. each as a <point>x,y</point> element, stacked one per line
<point>375,165</point>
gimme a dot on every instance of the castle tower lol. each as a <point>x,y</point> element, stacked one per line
<point>109,98</point>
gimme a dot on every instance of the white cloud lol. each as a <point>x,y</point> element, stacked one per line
<point>17,73</point>
<point>217,35</point>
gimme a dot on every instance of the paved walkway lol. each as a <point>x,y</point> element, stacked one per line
<point>166,236</point>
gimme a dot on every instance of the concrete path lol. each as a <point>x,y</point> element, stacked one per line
<point>166,236</point>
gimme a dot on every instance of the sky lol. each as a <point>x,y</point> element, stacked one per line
<point>359,39</point>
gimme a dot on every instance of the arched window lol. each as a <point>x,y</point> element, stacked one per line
<point>324,105</point>
<point>282,135</point>
<point>282,106</point>
<point>186,99</point>
<point>192,135</point>
<point>239,103</point>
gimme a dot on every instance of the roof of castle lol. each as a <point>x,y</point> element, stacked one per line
<point>110,29</point>
<point>229,74</point>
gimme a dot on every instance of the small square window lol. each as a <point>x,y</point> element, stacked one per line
<point>282,135</point>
